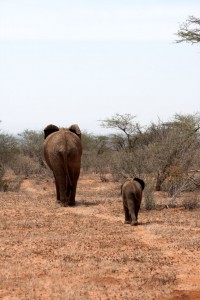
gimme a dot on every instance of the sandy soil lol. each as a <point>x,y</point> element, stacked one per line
<point>86,252</point>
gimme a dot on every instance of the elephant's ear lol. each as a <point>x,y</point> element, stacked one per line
<point>50,129</point>
<point>141,182</point>
<point>75,129</point>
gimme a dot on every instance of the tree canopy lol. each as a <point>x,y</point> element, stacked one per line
<point>189,31</point>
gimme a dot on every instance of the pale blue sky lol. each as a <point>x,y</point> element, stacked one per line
<point>65,62</point>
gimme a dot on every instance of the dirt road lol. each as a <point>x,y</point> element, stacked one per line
<point>86,252</point>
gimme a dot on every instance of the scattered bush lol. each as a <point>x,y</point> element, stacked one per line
<point>163,151</point>
<point>149,202</point>
<point>191,203</point>
<point>26,165</point>
<point>12,184</point>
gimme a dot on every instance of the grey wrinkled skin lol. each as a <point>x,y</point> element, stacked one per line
<point>131,192</point>
<point>62,153</point>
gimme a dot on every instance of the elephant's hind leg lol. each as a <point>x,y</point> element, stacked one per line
<point>127,216</point>
<point>131,207</point>
<point>61,188</point>
<point>74,179</point>
<point>137,208</point>
<point>57,190</point>
<point>71,200</point>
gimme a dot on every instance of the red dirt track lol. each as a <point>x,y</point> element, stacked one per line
<point>86,252</point>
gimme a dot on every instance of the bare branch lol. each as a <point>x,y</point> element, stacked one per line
<point>189,31</point>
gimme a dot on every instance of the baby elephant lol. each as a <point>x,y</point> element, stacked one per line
<point>131,192</point>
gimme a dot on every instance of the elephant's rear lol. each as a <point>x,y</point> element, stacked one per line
<point>52,146</point>
<point>131,188</point>
<point>62,150</point>
<point>131,192</point>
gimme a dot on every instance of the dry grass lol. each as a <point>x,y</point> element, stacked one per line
<point>86,252</point>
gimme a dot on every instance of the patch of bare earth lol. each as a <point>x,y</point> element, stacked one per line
<point>86,252</point>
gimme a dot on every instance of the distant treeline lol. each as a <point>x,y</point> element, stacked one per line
<point>162,153</point>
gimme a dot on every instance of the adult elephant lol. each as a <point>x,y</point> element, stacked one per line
<point>62,153</point>
<point>131,192</point>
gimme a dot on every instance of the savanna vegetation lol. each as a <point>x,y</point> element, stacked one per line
<point>164,154</point>
<point>189,31</point>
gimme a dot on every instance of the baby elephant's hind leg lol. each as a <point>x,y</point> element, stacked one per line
<point>127,216</point>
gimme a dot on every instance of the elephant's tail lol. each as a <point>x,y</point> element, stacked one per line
<point>121,188</point>
<point>66,171</point>
<point>68,177</point>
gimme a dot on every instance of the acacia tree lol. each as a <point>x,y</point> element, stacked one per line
<point>189,31</point>
<point>126,126</point>
<point>163,152</point>
<point>127,155</point>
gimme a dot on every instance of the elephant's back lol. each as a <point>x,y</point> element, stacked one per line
<point>131,187</point>
<point>52,142</point>
<point>62,142</point>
